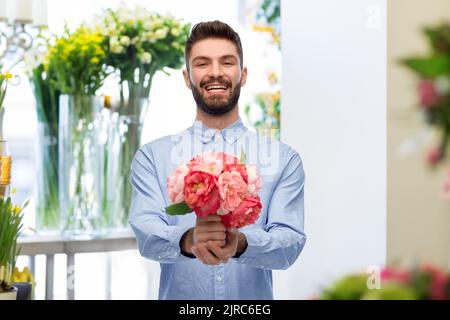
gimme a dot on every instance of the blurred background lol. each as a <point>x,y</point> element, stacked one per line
<point>360,88</point>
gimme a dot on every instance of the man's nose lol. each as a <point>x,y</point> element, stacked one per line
<point>216,70</point>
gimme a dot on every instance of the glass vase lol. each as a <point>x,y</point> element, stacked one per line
<point>47,201</point>
<point>80,165</point>
<point>124,139</point>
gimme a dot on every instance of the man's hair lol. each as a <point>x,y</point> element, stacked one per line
<point>212,29</point>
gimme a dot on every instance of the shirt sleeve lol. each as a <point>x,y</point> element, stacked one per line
<point>279,243</point>
<point>157,239</point>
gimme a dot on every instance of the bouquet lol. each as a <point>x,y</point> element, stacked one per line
<point>77,62</point>
<point>216,183</point>
<point>139,43</point>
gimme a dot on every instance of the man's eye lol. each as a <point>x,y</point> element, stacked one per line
<point>201,64</point>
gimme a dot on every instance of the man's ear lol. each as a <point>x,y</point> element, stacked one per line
<point>244,76</point>
<point>187,79</point>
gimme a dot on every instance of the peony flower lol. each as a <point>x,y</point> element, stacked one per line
<point>240,168</point>
<point>247,213</point>
<point>428,94</point>
<point>210,162</point>
<point>175,183</point>
<point>389,274</point>
<point>201,193</point>
<point>232,189</point>
<point>254,181</point>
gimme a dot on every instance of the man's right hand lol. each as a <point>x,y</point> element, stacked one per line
<point>206,229</point>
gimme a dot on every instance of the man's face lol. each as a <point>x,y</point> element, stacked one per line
<point>215,76</point>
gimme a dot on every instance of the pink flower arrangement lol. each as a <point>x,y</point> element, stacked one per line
<point>216,183</point>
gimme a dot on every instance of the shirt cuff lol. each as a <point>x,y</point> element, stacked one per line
<point>184,253</point>
<point>253,244</point>
<point>175,250</point>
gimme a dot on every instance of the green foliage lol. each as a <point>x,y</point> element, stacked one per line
<point>433,73</point>
<point>351,287</point>
<point>10,227</point>
<point>178,209</point>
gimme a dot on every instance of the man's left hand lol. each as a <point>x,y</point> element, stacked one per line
<point>212,254</point>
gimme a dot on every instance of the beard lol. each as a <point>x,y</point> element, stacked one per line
<point>216,104</point>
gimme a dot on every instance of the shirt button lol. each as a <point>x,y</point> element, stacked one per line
<point>219,278</point>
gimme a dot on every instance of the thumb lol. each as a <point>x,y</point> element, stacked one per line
<point>232,235</point>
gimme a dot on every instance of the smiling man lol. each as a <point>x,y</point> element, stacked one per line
<point>199,257</point>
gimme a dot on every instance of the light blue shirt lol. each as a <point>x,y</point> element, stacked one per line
<point>274,241</point>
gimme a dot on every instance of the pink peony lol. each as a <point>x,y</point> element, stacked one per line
<point>228,159</point>
<point>210,162</point>
<point>247,213</point>
<point>231,163</point>
<point>389,274</point>
<point>175,183</point>
<point>232,189</point>
<point>254,182</point>
<point>240,168</point>
<point>201,193</point>
<point>428,94</point>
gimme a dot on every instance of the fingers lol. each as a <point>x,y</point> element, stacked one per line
<point>215,236</point>
<point>204,255</point>
<point>221,253</point>
<point>232,237</point>
<point>209,218</point>
<point>211,227</point>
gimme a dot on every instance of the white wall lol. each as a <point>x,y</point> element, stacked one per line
<point>334,115</point>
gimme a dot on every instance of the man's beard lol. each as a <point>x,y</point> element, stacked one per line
<point>216,105</point>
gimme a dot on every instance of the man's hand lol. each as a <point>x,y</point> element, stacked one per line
<point>209,229</point>
<point>206,229</point>
<point>212,254</point>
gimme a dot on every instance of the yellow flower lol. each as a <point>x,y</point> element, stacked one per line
<point>95,60</point>
<point>5,75</point>
<point>22,276</point>
<point>16,209</point>
<point>273,78</point>
<point>14,190</point>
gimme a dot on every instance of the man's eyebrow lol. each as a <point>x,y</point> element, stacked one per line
<point>228,56</point>
<point>201,58</point>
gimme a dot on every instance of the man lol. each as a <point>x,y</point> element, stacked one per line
<point>199,258</point>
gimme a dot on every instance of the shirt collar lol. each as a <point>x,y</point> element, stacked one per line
<point>230,134</point>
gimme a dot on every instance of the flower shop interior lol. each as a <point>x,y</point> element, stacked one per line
<point>358,86</point>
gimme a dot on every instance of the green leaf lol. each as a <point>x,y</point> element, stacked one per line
<point>178,209</point>
<point>243,157</point>
<point>429,67</point>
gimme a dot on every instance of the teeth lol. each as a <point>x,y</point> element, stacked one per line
<point>215,87</point>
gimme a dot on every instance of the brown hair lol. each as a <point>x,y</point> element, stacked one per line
<point>212,29</point>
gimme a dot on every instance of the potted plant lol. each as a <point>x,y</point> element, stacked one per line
<point>10,228</point>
